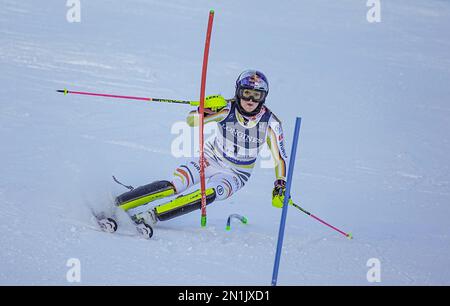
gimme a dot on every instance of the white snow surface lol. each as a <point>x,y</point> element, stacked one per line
<point>373,155</point>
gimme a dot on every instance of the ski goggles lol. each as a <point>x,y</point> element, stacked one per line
<point>252,94</point>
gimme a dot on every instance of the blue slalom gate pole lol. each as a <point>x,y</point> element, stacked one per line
<point>287,195</point>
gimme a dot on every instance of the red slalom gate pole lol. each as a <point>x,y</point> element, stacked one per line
<point>201,116</point>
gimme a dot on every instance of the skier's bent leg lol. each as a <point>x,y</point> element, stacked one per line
<point>185,176</point>
<point>220,187</point>
<point>145,194</point>
<point>222,183</point>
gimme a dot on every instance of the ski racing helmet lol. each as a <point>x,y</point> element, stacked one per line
<point>251,85</point>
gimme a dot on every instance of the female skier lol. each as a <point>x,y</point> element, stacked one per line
<point>244,124</point>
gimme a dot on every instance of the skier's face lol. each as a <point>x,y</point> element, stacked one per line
<point>248,105</point>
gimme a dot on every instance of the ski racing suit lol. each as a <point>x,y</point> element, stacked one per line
<point>231,157</point>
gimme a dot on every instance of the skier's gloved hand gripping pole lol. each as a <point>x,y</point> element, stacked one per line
<point>214,102</point>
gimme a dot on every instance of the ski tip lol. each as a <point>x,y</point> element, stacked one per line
<point>228,228</point>
<point>107,224</point>
<point>211,11</point>
<point>349,236</point>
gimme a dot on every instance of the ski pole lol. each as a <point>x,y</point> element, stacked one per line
<point>66,92</point>
<point>348,235</point>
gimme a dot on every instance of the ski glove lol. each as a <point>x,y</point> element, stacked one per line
<point>278,193</point>
<point>215,102</point>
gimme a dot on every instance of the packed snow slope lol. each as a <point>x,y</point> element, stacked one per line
<point>373,155</point>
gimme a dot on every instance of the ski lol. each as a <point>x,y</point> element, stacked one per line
<point>144,230</point>
<point>107,225</point>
